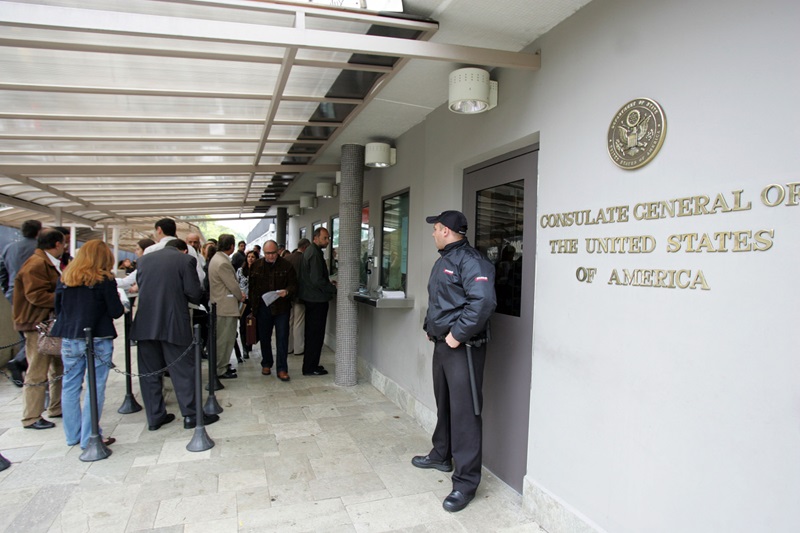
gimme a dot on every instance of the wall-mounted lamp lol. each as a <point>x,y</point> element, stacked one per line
<point>293,210</point>
<point>308,201</point>
<point>471,91</point>
<point>325,190</point>
<point>379,155</point>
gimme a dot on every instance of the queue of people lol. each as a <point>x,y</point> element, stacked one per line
<point>285,292</point>
<point>168,280</point>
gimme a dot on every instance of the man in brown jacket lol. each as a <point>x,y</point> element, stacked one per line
<point>33,301</point>
<point>273,273</point>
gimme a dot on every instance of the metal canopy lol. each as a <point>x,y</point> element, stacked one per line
<point>120,113</point>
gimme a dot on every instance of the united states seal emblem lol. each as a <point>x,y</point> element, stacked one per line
<point>636,133</point>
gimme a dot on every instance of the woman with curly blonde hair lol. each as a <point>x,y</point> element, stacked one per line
<point>86,296</point>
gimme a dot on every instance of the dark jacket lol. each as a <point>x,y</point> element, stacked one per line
<point>167,281</point>
<point>266,277</point>
<point>461,294</point>
<point>315,283</point>
<point>238,259</point>
<point>34,291</point>
<point>82,307</point>
<point>14,256</point>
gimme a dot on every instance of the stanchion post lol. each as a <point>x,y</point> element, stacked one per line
<point>4,463</point>
<point>212,406</point>
<point>200,440</point>
<point>129,404</point>
<point>95,449</point>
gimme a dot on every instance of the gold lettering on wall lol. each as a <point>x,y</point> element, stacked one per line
<point>728,241</point>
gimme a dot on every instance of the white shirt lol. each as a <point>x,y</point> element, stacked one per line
<point>56,262</point>
<point>163,242</point>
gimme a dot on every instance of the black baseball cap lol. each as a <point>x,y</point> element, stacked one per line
<point>455,220</point>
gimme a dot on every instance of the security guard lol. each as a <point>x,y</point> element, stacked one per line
<point>461,299</point>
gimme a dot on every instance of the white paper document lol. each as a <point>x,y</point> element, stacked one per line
<point>270,297</point>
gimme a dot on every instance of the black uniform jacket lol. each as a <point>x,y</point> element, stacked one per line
<point>461,294</point>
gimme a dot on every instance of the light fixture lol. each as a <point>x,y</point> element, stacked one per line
<point>325,190</point>
<point>379,155</point>
<point>293,210</point>
<point>471,91</point>
<point>308,201</point>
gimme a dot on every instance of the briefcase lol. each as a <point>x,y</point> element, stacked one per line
<point>250,332</point>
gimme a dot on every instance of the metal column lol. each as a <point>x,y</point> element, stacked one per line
<point>351,198</point>
<point>280,226</point>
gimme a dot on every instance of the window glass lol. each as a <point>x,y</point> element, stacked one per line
<point>498,234</point>
<point>334,266</point>
<point>365,251</point>
<point>394,242</point>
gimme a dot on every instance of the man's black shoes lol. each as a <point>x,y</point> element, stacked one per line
<point>41,424</point>
<point>169,417</point>
<point>229,374</point>
<point>425,461</point>
<point>190,422</point>
<point>316,372</point>
<point>456,501</point>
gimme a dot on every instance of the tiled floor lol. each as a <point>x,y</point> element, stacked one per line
<point>299,456</point>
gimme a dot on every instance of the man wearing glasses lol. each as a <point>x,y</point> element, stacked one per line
<point>274,276</point>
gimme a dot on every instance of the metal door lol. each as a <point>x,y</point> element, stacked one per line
<point>500,204</point>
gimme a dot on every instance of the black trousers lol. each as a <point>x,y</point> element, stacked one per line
<point>316,320</point>
<point>458,433</point>
<point>154,355</point>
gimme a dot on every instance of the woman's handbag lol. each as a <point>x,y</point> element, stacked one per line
<point>48,345</point>
<point>250,332</point>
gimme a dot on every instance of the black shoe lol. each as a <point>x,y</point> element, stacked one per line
<point>217,386</point>
<point>41,424</point>
<point>229,374</point>
<point>425,461</point>
<point>247,355</point>
<point>16,373</point>
<point>320,367</point>
<point>239,359</point>
<point>456,501</point>
<point>169,417</point>
<point>59,415</point>
<point>190,422</point>
<point>316,372</point>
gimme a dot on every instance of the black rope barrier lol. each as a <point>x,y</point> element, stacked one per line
<point>200,440</point>
<point>95,447</point>
<point>129,404</point>
<point>212,406</point>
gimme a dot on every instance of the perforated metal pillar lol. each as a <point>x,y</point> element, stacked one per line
<point>351,194</point>
<point>280,226</point>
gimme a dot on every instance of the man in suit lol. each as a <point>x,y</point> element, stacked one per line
<point>316,290</point>
<point>168,281</point>
<point>226,293</point>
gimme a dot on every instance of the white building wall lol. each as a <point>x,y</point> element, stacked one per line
<point>652,409</point>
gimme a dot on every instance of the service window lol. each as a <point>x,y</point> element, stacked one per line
<point>394,242</point>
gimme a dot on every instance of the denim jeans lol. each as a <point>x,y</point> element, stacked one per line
<point>265,321</point>
<point>77,421</point>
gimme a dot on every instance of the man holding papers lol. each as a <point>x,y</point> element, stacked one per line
<point>273,283</point>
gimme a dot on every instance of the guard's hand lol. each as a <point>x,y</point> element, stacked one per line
<point>451,341</point>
